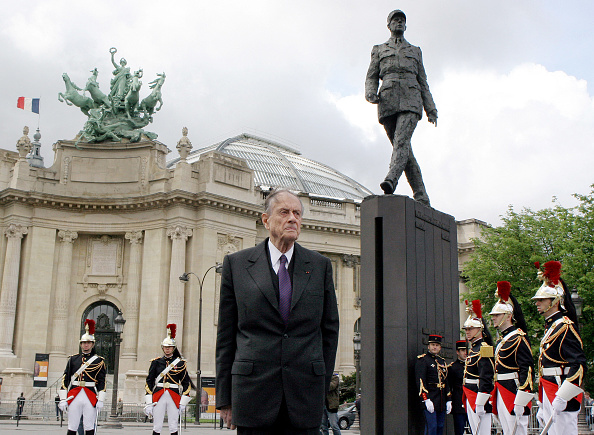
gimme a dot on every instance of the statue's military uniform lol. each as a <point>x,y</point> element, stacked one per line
<point>431,373</point>
<point>403,94</point>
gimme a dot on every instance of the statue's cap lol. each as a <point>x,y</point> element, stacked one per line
<point>394,13</point>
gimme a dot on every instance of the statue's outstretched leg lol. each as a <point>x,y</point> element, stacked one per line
<point>400,129</point>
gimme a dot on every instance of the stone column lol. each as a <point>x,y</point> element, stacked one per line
<point>175,305</point>
<point>62,301</point>
<point>130,339</point>
<point>10,287</point>
<point>349,312</point>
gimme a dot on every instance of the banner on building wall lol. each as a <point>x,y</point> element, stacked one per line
<point>41,369</point>
<point>209,395</point>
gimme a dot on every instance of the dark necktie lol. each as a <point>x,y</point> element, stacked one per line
<point>284,289</point>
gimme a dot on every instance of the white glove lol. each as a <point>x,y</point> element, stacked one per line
<point>559,404</point>
<point>539,414</point>
<point>429,405</point>
<point>63,405</point>
<point>448,407</point>
<point>148,410</point>
<point>480,410</point>
<point>518,410</point>
<point>99,404</point>
<point>182,408</point>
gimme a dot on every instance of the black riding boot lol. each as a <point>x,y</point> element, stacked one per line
<point>90,432</point>
<point>156,433</point>
<point>71,432</point>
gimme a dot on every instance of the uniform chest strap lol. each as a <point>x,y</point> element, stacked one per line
<point>82,368</point>
<point>166,370</point>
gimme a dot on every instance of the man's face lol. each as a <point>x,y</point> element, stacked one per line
<point>397,25</point>
<point>461,354</point>
<point>86,346</point>
<point>496,319</point>
<point>168,350</point>
<point>471,333</point>
<point>434,348</point>
<point>542,305</point>
<point>284,221</point>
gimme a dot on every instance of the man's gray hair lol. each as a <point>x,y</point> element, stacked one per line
<point>271,198</point>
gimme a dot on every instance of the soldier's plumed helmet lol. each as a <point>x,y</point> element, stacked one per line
<point>504,305</point>
<point>551,287</point>
<point>397,12</point>
<point>475,315</point>
<point>170,339</point>
<point>89,334</point>
<point>434,338</point>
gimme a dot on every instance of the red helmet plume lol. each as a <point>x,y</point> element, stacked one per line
<point>91,324</point>
<point>476,308</point>
<point>173,328</point>
<point>552,272</point>
<point>503,290</point>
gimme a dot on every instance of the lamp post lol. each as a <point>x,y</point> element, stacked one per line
<point>185,277</point>
<point>357,351</point>
<point>119,322</point>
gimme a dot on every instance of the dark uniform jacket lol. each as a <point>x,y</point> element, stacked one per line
<point>176,380</point>
<point>94,374</point>
<point>260,360</point>
<point>404,82</point>
<point>561,347</point>
<point>455,378</point>
<point>513,355</point>
<point>431,373</point>
<point>481,368</point>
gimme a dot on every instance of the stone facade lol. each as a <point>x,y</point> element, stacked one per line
<point>109,225</point>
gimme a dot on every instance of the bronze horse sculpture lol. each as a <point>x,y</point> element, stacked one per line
<point>148,104</point>
<point>72,97</point>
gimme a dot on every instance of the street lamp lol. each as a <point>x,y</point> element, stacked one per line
<point>119,322</point>
<point>357,350</point>
<point>185,277</point>
<point>578,302</point>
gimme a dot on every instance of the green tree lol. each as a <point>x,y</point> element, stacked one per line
<point>508,253</point>
<point>347,388</point>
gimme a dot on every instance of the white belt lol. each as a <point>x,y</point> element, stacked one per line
<point>471,381</point>
<point>555,371</point>
<point>83,384</point>
<point>167,385</point>
<point>506,376</point>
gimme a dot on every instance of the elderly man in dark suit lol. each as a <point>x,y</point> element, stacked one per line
<point>278,329</point>
<point>401,99</point>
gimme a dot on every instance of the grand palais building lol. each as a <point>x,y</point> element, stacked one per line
<point>111,227</point>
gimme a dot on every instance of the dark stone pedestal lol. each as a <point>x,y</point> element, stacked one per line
<point>409,289</point>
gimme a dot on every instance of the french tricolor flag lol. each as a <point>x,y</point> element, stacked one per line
<point>28,104</point>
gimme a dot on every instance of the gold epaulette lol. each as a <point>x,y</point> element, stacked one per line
<point>567,320</point>
<point>74,354</point>
<point>520,332</point>
<point>154,359</point>
<point>421,356</point>
<point>486,351</point>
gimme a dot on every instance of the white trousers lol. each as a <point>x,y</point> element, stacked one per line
<point>484,423</point>
<point>565,423</point>
<point>81,405</point>
<point>508,421</point>
<point>165,404</point>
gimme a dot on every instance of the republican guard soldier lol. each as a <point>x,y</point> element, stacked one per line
<point>455,381</point>
<point>431,373</point>
<point>561,363</point>
<point>82,391</point>
<point>167,385</point>
<point>479,371</point>
<point>514,367</point>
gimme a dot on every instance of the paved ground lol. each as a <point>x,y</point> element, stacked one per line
<point>8,427</point>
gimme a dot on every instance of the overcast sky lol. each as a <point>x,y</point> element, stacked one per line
<point>513,82</point>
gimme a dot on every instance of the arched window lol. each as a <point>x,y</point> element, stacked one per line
<point>103,313</point>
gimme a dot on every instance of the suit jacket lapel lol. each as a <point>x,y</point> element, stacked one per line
<point>259,269</point>
<point>301,273</point>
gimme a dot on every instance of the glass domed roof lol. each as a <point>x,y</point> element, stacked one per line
<point>275,164</point>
